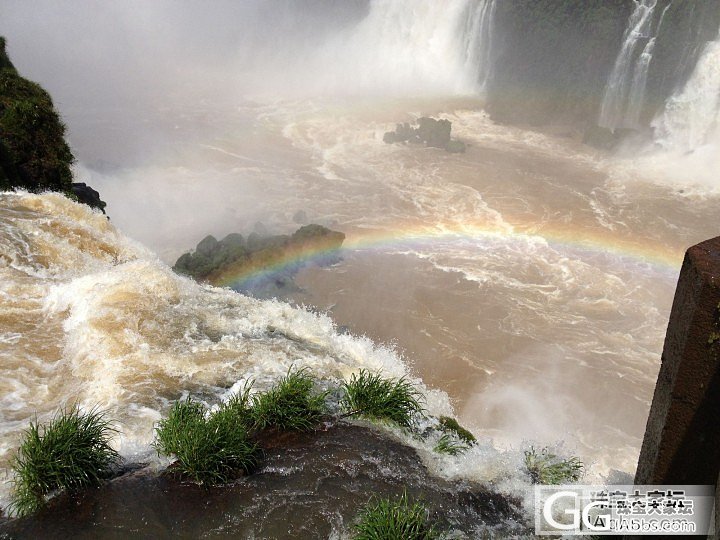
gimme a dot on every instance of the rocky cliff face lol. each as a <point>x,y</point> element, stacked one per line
<point>687,26</point>
<point>553,58</point>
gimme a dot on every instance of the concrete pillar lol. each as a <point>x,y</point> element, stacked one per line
<point>682,438</point>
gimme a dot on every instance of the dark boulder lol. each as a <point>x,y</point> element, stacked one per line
<point>213,261</point>
<point>430,132</point>
<point>87,195</point>
<point>435,133</point>
<point>207,246</point>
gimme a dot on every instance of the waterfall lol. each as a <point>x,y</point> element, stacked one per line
<point>413,47</point>
<point>625,90</point>
<point>692,116</point>
<point>636,99</point>
<point>478,41</point>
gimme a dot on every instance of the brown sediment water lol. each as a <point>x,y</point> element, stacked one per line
<point>524,285</point>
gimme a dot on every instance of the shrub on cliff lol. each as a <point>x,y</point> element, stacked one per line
<point>33,151</point>
<point>210,448</point>
<point>71,452</point>
<point>378,398</point>
<point>391,519</point>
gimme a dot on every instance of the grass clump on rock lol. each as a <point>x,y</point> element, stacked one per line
<point>450,445</point>
<point>290,405</point>
<point>450,425</point>
<point>455,439</point>
<point>70,452</point>
<point>378,398</point>
<point>210,447</point>
<point>391,519</point>
<point>544,467</point>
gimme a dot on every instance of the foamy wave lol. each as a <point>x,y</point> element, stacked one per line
<point>124,332</point>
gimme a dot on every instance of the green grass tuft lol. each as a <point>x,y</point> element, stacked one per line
<point>450,445</point>
<point>210,448</point>
<point>450,425</point>
<point>372,396</point>
<point>71,452</point>
<point>547,468</point>
<point>393,519</point>
<point>290,405</point>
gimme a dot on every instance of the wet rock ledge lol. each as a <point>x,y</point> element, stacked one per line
<point>310,485</point>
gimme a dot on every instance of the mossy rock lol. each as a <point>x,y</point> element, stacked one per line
<point>211,258</point>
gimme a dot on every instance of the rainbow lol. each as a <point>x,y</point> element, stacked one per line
<point>421,237</point>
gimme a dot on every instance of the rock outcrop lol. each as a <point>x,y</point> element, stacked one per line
<point>261,265</point>
<point>430,132</point>
<point>87,195</point>
<point>552,58</point>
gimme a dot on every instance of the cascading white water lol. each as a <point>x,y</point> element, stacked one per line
<point>636,99</point>
<point>478,42</point>
<point>637,90</point>
<point>413,47</point>
<point>625,90</point>
<point>691,117</point>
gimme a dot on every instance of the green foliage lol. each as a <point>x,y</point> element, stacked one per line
<point>455,438</point>
<point>378,398</point>
<point>290,405</point>
<point>34,154</point>
<point>210,448</point>
<point>5,62</point>
<point>450,445</point>
<point>394,519</point>
<point>450,425</point>
<point>547,468</point>
<point>71,452</point>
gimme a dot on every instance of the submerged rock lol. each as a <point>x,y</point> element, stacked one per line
<point>310,485</point>
<point>430,132</point>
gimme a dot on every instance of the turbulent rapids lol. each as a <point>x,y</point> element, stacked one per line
<point>94,318</point>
